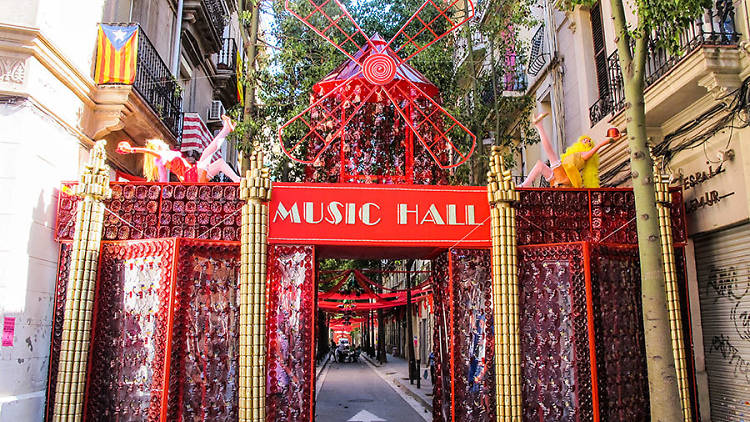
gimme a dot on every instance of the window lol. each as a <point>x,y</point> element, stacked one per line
<point>600,50</point>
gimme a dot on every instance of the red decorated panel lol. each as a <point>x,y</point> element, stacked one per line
<point>473,339</point>
<point>552,216</point>
<point>687,330</point>
<point>594,215</point>
<point>290,322</point>
<point>149,210</point>
<point>613,217</point>
<point>618,322</point>
<point>61,287</point>
<point>556,361</point>
<point>200,211</point>
<point>441,399</point>
<point>205,335</point>
<point>128,357</point>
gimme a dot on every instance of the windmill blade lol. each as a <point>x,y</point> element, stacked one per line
<point>320,124</point>
<point>431,22</point>
<point>435,128</point>
<point>331,20</point>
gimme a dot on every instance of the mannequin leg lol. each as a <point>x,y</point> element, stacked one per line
<point>221,166</point>
<point>546,143</point>
<point>539,169</point>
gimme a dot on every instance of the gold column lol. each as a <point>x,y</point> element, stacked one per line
<point>663,206</point>
<point>502,194</point>
<point>255,188</point>
<point>79,301</point>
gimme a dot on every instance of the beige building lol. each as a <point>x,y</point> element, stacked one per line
<point>696,110</point>
<point>51,112</point>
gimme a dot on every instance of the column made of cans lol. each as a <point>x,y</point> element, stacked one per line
<point>79,300</point>
<point>502,195</point>
<point>663,206</point>
<point>255,189</point>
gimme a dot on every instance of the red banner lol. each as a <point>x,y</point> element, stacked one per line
<point>379,215</point>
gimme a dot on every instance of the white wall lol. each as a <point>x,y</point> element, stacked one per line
<point>32,164</point>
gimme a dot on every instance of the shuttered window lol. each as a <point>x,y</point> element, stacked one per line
<point>600,50</point>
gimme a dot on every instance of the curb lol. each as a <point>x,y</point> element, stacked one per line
<point>404,387</point>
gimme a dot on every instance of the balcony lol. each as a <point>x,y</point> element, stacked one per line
<point>714,29</point>
<point>205,20</point>
<point>146,105</point>
<point>539,55</point>
<point>225,78</point>
<point>155,83</point>
<point>227,59</point>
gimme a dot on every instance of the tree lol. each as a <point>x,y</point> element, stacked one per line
<point>668,18</point>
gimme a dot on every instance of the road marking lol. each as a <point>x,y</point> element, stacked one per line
<point>365,416</point>
<point>421,410</point>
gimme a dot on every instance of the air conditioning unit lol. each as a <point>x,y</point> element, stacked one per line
<point>216,110</point>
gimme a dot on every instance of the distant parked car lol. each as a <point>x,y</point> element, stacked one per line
<point>342,351</point>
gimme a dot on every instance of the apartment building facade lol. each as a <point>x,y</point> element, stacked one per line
<point>52,111</point>
<point>696,116</point>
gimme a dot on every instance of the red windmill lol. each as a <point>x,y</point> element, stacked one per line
<point>376,73</point>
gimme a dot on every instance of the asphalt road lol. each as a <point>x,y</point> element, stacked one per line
<point>354,392</point>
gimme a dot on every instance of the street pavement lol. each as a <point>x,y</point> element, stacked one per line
<point>354,392</point>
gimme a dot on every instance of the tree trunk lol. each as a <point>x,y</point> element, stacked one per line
<point>663,390</point>
<point>409,324</point>
<point>250,42</point>
<point>381,337</point>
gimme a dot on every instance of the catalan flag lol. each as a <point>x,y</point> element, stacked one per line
<point>117,53</point>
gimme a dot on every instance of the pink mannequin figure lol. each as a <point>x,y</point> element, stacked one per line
<point>205,164</point>
<point>578,166</point>
<point>160,159</point>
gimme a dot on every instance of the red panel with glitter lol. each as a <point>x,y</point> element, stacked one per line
<point>130,336</point>
<point>205,335</point>
<point>290,324</point>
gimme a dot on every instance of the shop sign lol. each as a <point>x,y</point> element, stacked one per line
<point>709,199</point>
<point>380,215</point>
<point>700,177</point>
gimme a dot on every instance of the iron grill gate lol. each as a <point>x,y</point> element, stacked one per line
<point>723,266</point>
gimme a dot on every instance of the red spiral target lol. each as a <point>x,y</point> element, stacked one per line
<point>379,69</point>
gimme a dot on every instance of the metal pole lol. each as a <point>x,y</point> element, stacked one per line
<point>177,40</point>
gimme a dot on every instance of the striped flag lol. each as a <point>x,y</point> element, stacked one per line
<point>195,135</point>
<point>116,55</point>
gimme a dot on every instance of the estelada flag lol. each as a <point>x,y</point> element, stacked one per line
<point>116,55</point>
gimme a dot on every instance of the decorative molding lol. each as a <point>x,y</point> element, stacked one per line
<point>719,85</point>
<point>107,108</point>
<point>12,69</point>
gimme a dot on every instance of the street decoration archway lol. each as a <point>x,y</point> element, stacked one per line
<point>529,285</point>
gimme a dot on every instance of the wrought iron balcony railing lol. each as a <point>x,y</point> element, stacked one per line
<point>217,13</point>
<point>157,86</point>
<point>539,52</point>
<point>715,28</point>
<point>227,59</point>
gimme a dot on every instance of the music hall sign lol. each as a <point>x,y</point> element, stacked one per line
<point>379,215</point>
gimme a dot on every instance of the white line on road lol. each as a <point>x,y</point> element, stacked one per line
<point>421,410</point>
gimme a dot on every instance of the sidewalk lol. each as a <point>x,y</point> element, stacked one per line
<point>397,370</point>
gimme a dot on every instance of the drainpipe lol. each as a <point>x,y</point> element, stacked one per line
<point>177,41</point>
<point>558,111</point>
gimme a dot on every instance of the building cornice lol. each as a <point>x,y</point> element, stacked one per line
<point>105,108</point>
